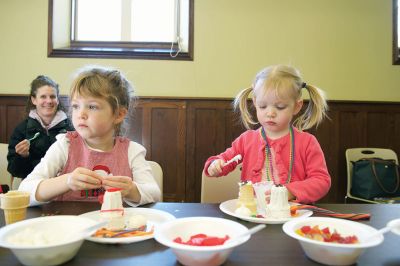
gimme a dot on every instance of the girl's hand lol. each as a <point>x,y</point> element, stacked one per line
<point>22,148</point>
<point>215,168</point>
<point>125,183</point>
<point>291,196</point>
<point>82,178</point>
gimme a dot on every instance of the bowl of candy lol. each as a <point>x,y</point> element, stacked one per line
<point>332,241</point>
<point>201,240</point>
<point>48,240</point>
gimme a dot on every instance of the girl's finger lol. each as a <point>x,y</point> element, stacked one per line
<point>118,178</point>
<point>90,173</point>
<point>115,184</point>
<point>90,180</point>
<point>78,181</point>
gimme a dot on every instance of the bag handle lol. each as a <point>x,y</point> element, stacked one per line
<point>379,181</point>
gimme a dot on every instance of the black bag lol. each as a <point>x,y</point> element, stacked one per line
<point>375,177</point>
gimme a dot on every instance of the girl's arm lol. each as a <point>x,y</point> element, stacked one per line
<point>144,188</point>
<point>237,148</point>
<point>50,165</point>
<point>44,184</point>
<point>317,180</point>
<point>79,179</point>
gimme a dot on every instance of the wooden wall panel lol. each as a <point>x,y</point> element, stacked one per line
<point>12,111</point>
<point>212,127</point>
<point>164,150</point>
<point>327,134</point>
<point>161,125</point>
<point>181,134</point>
<point>134,125</point>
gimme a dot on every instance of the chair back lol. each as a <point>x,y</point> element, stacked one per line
<point>356,154</point>
<point>220,189</point>
<point>5,177</point>
<point>158,175</point>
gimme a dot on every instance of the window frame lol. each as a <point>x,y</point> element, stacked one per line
<point>120,50</point>
<point>396,49</point>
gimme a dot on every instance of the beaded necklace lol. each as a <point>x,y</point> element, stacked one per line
<point>268,157</point>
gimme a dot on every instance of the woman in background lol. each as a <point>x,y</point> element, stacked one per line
<point>33,136</point>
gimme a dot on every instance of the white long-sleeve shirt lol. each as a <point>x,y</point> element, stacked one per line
<point>56,157</point>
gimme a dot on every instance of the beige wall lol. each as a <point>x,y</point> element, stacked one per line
<point>342,46</point>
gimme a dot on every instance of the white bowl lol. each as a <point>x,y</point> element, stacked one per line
<point>54,239</point>
<point>333,253</point>
<point>200,255</point>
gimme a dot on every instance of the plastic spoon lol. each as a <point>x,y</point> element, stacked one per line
<point>237,158</point>
<point>393,225</point>
<point>34,137</point>
<point>251,231</point>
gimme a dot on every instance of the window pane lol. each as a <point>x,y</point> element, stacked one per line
<point>153,20</point>
<point>98,20</point>
<point>141,29</point>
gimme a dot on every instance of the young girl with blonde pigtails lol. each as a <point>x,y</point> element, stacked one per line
<point>81,164</point>
<point>279,150</point>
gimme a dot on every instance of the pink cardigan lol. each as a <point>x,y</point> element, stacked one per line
<point>310,178</point>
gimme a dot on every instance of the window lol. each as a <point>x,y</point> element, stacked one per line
<point>396,34</point>
<point>145,29</point>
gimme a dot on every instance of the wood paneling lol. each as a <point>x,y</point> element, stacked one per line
<point>181,134</point>
<point>160,126</point>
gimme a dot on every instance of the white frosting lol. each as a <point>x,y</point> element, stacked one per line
<point>278,207</point>
<point>136,221</point>
<point>34,237</point>
<point>112,200</point>
<point>112,210</point>
<point>260,188</point>
<point>243,211</point>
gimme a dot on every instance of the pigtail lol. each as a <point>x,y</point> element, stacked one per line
<point>315,111</point>
<point>240,105</point>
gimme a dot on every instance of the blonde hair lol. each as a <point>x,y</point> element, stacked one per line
<point>108,84</point>
<point>287,82</point>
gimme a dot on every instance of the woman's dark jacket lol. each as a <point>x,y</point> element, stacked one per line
<point>19,166</point>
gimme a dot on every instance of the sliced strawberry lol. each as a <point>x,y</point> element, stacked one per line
<point>198,236</point>
<point>305,229</point>
<point>178,240</point>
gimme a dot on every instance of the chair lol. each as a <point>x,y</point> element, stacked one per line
<point>356,154</point>
<point>5,177</point>
<point>158,175</point>
<point>220,189</point>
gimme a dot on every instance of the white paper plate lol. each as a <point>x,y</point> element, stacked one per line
<point>154,218</point>
<point>230,206</point>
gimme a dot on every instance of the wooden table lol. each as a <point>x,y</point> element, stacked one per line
<point>271,246</point>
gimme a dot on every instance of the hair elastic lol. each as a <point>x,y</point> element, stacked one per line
<point>303,85</point>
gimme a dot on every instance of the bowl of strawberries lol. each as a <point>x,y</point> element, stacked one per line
<point>332,241</point>
<point>199,241</point>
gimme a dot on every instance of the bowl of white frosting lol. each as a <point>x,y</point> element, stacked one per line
<point>49,240</point>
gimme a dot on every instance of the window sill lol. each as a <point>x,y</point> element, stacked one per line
<point>120,53</point>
